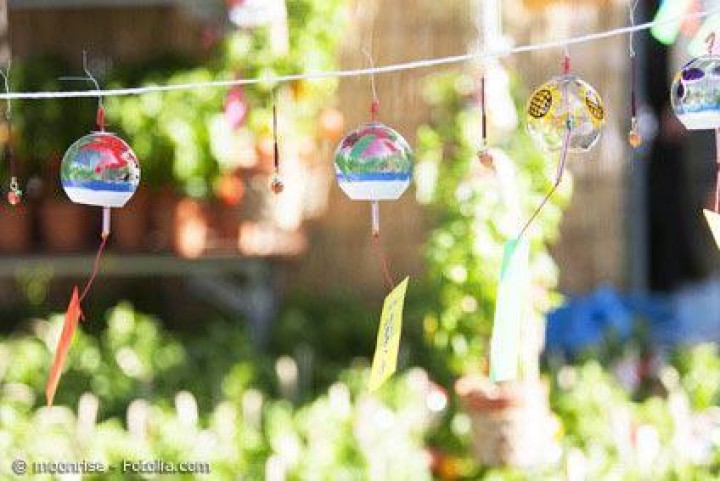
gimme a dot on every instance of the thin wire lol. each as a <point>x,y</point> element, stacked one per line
<point>89,77</point>
<point>375,106</point>
<point>276,151</point>
<point>92,78</point>
<point>632,7</point>
<point>556,184</point>
<point>398,67</point>
<point>483,110</point>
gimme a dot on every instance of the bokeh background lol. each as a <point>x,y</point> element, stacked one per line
<point>235,327</point>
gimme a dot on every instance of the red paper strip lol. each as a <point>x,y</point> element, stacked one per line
<point>71,319</point>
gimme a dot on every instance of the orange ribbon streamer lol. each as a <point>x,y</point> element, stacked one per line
<point>73,313</point>
<point>71,320</point>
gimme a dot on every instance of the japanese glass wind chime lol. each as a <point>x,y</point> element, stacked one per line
<point>99,169</point>
<point>695,101</point>
<point>563,115</point>
<point>374,163</point>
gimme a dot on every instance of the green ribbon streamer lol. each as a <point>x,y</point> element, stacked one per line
<point>509,311</point>
<point>666,33</point>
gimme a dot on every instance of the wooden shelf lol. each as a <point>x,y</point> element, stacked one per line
<point>129,265</point>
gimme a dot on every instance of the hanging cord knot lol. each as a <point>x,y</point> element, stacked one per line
<point>374,110</point>
<point>100,118</point>
<point>375,105</point>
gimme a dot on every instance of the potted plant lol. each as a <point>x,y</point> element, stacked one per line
<point>42,132</point>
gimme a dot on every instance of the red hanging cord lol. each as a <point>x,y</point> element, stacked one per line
<point>95,269</point>
<point>276,152</point>
<point>276,186</point>
<point>374,110</point>
<point>375,105</point>
<point>483,111</point>
<point>72,315</point>
<point>384,265</point>
<point>633,78</point>
<point>100,118</point>
<point>484,154</point>
<point>634,137</point>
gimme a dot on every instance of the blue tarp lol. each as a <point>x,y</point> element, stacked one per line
<point>689,315</point>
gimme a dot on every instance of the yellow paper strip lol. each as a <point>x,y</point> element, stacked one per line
<point>713,220</point>
<point>388,338</point>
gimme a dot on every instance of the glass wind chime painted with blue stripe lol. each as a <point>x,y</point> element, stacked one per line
<point>374,163</point>
<point>99,169</point>
<point>695,99</point>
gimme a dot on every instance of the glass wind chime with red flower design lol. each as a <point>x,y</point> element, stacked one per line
<point>374,163</point>
<point>99,169</point>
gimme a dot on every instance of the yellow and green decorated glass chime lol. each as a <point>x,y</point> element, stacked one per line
<point>563,115</point>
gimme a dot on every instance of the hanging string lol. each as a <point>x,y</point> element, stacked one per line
<point>14,195</point>
<point>276,186</point>
<point>556,183</point>
<point>482,108</point>
<point>375,205</point>
<point>397,67</point>
<point>382,259</point>
<point>634,137</point>
<point>375,105</point>
<point>484,154</point>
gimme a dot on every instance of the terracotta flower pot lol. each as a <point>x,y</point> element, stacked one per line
<point>17,229</point>
<point>191,228</point>
<point>512,423</point>
<point>64,225</point>
<point>331,124</point>
<point>265,150</point>
<point>130,223</point>
<point>224,226</point>
<point>161,219</point>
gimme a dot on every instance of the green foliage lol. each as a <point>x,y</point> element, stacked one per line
<point>695,366</point>
<point>172,132</point>
<point>151,388</point>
